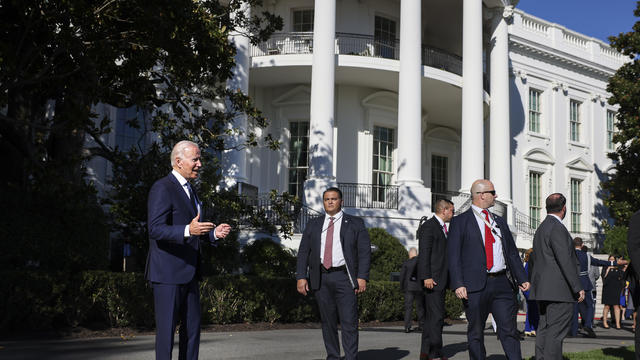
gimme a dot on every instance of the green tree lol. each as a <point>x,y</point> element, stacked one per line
<point>615,242</point>
<point>388,257</point>
<point>59,60</point>
<point>623,185</point>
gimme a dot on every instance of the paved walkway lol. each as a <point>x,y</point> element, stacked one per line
<point>379,343</point>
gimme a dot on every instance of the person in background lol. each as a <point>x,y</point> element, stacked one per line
<point>633,247</point>
<point>611,289</point>
<point>531,320</point>
<point>412,289</point>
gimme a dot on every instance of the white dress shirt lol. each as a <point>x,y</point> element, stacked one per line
<point>442,223</point>
<point>498,256</point>
<point>185,187</point>
<point>337,257</point>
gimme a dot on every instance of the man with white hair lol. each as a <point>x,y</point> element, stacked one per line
<point>173,261</point>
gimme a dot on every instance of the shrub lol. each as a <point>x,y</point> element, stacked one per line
<point>615,242</point>
<point>269,259</point>
<point>388,257</point>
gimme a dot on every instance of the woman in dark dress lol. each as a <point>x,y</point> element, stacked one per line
<point>634,291</point>
<point>613,283</point>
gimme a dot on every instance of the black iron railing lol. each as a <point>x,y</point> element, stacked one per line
<point>369,196</point>
<point>524,223</point>
<point>355,44</point>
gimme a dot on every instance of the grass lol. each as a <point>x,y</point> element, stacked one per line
<point>624,353</point>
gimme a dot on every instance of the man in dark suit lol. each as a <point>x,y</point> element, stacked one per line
<point>333,261</point>
<point>556,283</point>
<point>433,272</point>
<point>485,270</point>
<point>633,246</point>
<point>586,308</point>
<point>412,289</point>
<point>173,261</point>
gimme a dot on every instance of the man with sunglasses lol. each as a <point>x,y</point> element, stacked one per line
<point>485,271</point>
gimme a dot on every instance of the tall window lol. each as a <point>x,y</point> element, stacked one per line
<point>130,128</point>
<point>574,120</point>
<point>576,204</point>
<point>383,145</point>
<point>535,206</point>
<point>385,37</point>
<point>439,178</point>
<point>303,20</point>
<point>611,117</point>
<point>298,156</point>
<point>534,110</point>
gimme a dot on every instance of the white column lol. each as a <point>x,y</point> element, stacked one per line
<point>472,139</point>
<point>499,131</point>
<point>237,157</point>
<point>410,95</point>
<point>322,103</point>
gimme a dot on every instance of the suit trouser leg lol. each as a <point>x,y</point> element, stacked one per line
<point>637,341</point>
<point>420,307</point>
<point>347,301</point>
<point>504,309</point>
<point>337,297</point>
<point>166,301</point>
<point>555,324</point>
<point>434,320</point>
<point>190,322</point>
<point>477,311</point>
<point>408,308</point>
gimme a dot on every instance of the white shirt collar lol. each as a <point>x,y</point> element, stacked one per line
<point>478,209</point>
<point>336,217</point>
<point>439,220</point>
<point>180,178</point>
<point>557,217</point>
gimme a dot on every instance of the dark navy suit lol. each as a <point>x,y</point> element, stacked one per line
<point>334,291</point>
<point>486,294</point>
<point>585,308</point>
<point>173,268</point>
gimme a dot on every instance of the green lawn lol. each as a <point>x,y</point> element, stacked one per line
<point>602,354</point>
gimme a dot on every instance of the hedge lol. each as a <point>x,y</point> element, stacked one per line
<point>42,301</point>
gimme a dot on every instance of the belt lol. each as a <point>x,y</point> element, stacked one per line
<point>497,273</point>
<point>333,269</point>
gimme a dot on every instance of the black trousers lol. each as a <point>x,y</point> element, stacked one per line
<point>409,298</point>
<point>337,301</point>
<point>496,298</point>
<point>431,343</point>
<point>554,326</point>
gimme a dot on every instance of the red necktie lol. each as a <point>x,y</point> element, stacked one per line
<point>444,226</point>
<point>327,261</point>
<point>488,241</point>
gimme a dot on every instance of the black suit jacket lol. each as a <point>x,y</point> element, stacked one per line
<point>432,257</point>
<point>633,242</point>
<point>555,275</point>
<point>408,276</point>
<point>356,248</point>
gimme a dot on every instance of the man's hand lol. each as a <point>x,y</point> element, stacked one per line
<point>525,286</point>
<point>461,292</point>
<point>362,286</point>
<point>622,262</point>
<point>429,283</point>
<point>199,228</point>
<point>222,231</point>
<point>581,296</point>
<point>303,286</point>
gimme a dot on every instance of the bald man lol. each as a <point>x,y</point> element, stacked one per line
<point>485,271</point>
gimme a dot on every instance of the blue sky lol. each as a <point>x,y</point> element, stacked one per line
<point>596,18</point>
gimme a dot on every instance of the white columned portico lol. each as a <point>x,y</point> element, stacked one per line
<point>414,198</point>
<point>321,155</point>
<point>237,156</point>
<point>410,95</point>
<point>472,139</point>
<point>499,131</point>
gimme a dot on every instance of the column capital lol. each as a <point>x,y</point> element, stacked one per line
<point>558,85</point>
<point>519,73</point>
<point>598,98</point>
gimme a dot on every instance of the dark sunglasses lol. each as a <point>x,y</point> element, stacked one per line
<point>492,192</point>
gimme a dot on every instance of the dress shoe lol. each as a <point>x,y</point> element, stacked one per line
<point>407,330</point>
<point>590,332</point>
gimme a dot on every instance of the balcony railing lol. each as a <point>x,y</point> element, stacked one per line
<point>355,44</point>
<point>524,223</point>
<point>369,196</point>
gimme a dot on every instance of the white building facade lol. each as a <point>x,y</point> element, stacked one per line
<point>399,103</point>
<point>402,102</point>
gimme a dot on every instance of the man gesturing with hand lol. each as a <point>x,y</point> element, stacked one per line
<point>173,261</point>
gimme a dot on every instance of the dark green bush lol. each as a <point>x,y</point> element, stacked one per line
<point>39,301</point>
<point>269,259</point>
<point>389,256</point>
